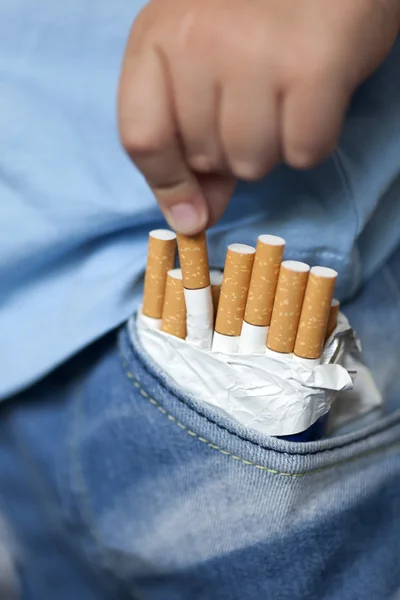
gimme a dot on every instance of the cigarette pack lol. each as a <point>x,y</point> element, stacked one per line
<point>264,342</point>
<point>274,395</point>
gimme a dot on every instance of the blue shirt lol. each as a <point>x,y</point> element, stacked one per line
<point>75,214</point>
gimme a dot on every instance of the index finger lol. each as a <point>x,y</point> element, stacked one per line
<point>148,133</point>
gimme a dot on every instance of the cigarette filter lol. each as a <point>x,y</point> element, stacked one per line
<point>234,289</point>
<point>193,257</point>
<point>160,259</point>
<point>315,313</point>
<point>288,303</point>
<point>333,317</point>
<point>216,281</point>
<point>264,279</point>
<point>174,312</point>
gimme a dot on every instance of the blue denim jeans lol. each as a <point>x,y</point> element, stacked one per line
<point>117,486</point>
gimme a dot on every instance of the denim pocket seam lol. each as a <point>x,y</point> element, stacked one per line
<point>138,386</point>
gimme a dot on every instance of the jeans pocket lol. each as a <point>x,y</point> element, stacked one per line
<point>185,503</point>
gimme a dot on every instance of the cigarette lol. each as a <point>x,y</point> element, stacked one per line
<point>197,289</point>
<point>233,297</point>
<point>260,301</point>
<point>216,277</point>
<point>174,312</point>
<point>333,318</point>
<point>313,324</point>
<point>160,259</point>
<point>193,256</point>
<point>288,303</point>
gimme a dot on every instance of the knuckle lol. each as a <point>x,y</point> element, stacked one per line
<point>310,61</point>
<point>139,142</point>
<point>203,163</point>
<point>248,170</point>
<point>301,158</point>
<point>306,154</point>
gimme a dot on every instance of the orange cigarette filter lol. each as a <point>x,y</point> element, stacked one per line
<point>264,279</point>
<point>160,259</point>
<point>193,257</point>
<point>315,313</point>
<point>216,281</point>
<point>174,311</point>
<point>288,303</point>
<point>333,318</point>
<point>234,289</point>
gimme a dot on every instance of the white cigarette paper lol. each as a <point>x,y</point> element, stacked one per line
<point>216,277</point>
<point>308,362</point>
<point>151,323</point>
<point>278,355</point>
<point>199,318</point>
<point>253,339</point>
<point>228,344</point>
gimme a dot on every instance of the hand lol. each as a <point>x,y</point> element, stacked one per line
<point>215,90</point>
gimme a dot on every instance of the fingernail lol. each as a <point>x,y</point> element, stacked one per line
<point>187,218</point>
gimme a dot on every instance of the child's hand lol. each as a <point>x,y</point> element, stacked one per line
<point>214,90</point>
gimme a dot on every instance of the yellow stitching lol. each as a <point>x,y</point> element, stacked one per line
<point>238,458</point>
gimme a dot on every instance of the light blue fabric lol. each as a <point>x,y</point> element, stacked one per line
<point>74,214</point>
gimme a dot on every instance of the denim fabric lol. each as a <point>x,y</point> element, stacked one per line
<point>117,486</point>
<point>83,212</point>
